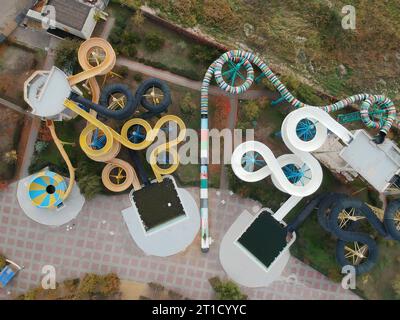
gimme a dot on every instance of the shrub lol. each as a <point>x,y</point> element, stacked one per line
<point>153,41</point>
<point>226,290</point>
<point>110,284</point>
<point>129,50</point>
<point>138,77</point>
<point>90,185</point>
<point>88,285</point>
<point>67,55</point>
<point>251,110</point>
<point>130,37</point>
<point>187,105</point>
<point>203,54</point>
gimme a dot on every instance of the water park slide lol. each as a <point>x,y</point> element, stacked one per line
<point>340,215</point>
<point>238,60</point>
<point>90,71</point>
<point>60,147</point>
<point>125,176</point>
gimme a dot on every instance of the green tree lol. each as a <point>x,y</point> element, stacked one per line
<point>153,41</point>
<point>203,54</point>
<point>187,105</point>
<point>90,185</point>
<point>226,290</point>
<point>67,55</point>
<point>251,110</point>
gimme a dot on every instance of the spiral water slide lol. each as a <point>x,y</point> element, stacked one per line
<point>89,74</point>
<point>301,148</point>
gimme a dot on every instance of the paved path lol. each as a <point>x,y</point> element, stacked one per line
<point>100,242</point>
<point>108,28</point>
<point>13,106</point>
<point>185,82</point>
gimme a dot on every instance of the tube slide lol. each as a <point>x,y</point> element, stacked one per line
<point>352,247</point>
<point>300,147</point>
<point>60,147</point>
<point>107,93</point>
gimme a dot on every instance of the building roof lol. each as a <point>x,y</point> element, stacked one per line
<point>71,13</point>
<point>265,238</point>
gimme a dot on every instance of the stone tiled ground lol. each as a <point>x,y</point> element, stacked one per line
<point>100,242</point>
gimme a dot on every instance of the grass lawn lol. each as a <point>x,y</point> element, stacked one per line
<point>175,54</point>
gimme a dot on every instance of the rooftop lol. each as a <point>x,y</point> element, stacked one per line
<point>265,238</point>
<point>158,203</point>
<point>71,13</point>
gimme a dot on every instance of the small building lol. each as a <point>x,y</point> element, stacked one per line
<point>69,17</point>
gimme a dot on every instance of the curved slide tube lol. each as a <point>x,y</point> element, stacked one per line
<point>60,147</point>
<point>112,135</point>
<point>245,60</point>
<point>331,207</point>
<point>102,108</point>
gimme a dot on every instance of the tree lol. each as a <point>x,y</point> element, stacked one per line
<point>203,54</point>
<point>226,290</point>
<point>10,157</point>
<point>153,41</point>
<point>187,105</point>
<point>90,185</point>
<point>396,285</point>
<point>251,110</point>
<point>67,55</point>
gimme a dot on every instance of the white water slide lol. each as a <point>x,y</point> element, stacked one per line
<point>239,263</point>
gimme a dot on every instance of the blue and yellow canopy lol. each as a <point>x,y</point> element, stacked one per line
<point>47,190</point>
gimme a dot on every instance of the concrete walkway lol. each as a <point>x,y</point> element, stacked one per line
<point>100,242</point>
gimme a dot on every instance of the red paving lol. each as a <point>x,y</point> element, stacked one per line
<point>100,242</point>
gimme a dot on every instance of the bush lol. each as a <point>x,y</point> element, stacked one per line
<point>203,54</point>
<point>67,55</point>
<point>88,285</point>
<point>226,290</point>
<point>138,77</point>
<point>110,284</point>
<point>251,110</point>
<point>129,50</point>
<point>153,41</point>
<point>130,37</point>
<point>187,105</point>
<point>90,185</point>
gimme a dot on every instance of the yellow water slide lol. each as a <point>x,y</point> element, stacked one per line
<point>104,59</point>
<point>60,147</point>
